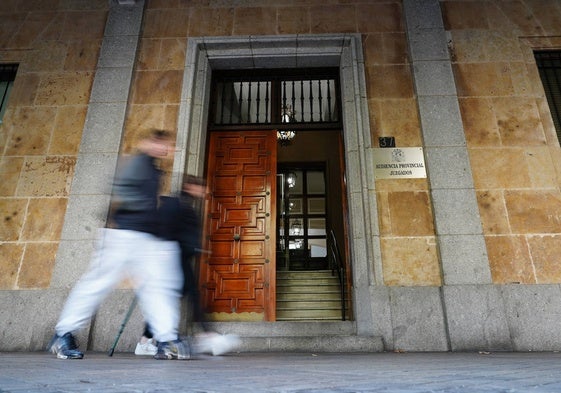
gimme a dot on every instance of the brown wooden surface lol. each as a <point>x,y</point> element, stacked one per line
<point>239,275</point>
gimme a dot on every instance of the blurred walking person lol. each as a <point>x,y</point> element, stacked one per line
<point>207,340</point>
<point>131,249</point>
<point>180,221</point>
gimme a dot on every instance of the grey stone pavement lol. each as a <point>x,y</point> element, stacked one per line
<point>284,372</point>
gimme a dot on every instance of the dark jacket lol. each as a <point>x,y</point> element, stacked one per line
<point>135,193</point>
<point>179,221</point>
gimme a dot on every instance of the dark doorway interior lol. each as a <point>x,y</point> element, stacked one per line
<point>302,217</point>
<point>309,200</point>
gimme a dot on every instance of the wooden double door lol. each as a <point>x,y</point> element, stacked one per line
<point>238,277</point>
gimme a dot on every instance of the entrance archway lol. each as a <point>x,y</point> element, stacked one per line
<point>342,51</point>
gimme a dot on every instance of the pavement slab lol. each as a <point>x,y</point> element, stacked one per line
<point>512,372</point>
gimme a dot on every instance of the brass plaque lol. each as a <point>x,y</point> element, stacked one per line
<point>399,163</point>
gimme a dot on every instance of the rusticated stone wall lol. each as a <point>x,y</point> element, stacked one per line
<point>513,148</point>
<point>56,44</point>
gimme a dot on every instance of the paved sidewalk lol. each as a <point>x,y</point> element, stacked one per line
<point>284,372</point>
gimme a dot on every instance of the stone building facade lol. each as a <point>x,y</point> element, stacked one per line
<point>465,259</point>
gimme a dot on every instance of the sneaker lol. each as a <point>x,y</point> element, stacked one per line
<point>146,348</point>
<point>217,344</point>
<point>176,349</point>
<point>65,347</point>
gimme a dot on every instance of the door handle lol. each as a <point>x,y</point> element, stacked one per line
<point>237,237</point>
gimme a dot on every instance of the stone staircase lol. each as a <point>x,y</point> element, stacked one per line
<point>308,296</point>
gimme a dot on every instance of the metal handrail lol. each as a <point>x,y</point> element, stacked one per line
<point>336,264</point>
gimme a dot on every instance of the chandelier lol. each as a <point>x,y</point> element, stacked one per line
<point>285,137</point>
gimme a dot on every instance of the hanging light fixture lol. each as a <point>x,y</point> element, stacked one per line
<point>285,137</point>
<point>296,228</point>
<point>291,179</point>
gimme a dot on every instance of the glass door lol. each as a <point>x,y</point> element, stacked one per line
<point>302,217</point>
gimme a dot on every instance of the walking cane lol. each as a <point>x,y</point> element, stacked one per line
<point>122,328</point>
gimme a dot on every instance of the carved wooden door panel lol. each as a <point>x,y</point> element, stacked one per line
<point>238,277</point>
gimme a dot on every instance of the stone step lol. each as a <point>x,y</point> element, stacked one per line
<point>319,344</point>
<point>326,289</point>
<point>297,335</point>
<point>309,314</point>
<point>331,318</point>
<point>308,304</point>
<point>319,280</point>
<point>310,296</point>
<point>305,274</point>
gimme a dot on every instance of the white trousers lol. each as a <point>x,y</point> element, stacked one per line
<point>154,267</point>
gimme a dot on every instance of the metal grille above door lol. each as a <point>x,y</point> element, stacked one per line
<point>305,98</point>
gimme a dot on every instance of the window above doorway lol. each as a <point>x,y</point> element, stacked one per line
<point>282,99</point>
